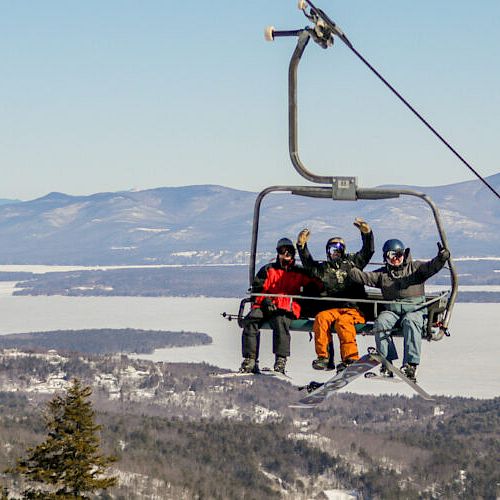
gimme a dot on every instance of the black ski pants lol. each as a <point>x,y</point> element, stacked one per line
<point>280,323</point>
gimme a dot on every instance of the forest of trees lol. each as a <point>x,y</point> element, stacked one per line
<point>103,340</point>
<point>201,436</point>
<point>221,281</point>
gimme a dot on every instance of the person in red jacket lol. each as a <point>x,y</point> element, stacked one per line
<point>282,278</point>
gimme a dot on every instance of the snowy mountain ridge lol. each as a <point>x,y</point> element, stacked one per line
<point>210,224</point>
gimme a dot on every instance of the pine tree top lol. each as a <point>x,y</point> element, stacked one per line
<point>69,461</point>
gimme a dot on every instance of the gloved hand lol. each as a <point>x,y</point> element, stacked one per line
<point>268,306</point>
<point>443,253</point>
<point>303,237</point>
<point>362,225</point>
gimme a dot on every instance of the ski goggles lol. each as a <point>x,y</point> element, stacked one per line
<point>286,250</point>
<point>336,247</point>
<point>391,255</point>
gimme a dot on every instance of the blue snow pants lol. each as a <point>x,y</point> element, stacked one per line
<point>412,319</point>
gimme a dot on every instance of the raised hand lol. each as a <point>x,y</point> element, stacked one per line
<point>362,225</point>
<point>303,237</point>
<point>443,253</point>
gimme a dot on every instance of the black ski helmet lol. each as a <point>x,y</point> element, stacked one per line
<point>336,242</point>
<point>393,245</point>
<point>285,242</point>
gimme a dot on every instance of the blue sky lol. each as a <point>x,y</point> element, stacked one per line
<point>117,95</point>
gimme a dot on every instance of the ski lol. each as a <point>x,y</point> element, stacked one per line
<point>269,372</point>
<point>381,359</point>
<point>382,378</point>
<point>265,372</point>
<point>232,375</point>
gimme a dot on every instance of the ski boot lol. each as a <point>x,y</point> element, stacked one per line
<point>321,364</point>
<point>344,364</point>
<point>279,364</point>
<point>384,372</point>
<point>249,365</point>
<point>410,370</point>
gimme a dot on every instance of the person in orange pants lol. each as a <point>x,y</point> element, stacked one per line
<point>343,321</point>
<point>334,276</point>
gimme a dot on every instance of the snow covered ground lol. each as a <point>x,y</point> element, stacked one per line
<point>466,364</point>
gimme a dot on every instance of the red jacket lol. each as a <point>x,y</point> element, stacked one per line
<point>272,278</point>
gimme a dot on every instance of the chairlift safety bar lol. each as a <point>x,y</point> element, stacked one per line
<point>427,303</point>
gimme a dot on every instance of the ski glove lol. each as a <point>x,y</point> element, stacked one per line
<point>303,237</point>
<point>268,306</point>
<point>362,225</point>
<point>443,253</point>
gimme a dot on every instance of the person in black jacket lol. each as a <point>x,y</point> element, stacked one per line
<point>401,280</point>
<point>333,274</point>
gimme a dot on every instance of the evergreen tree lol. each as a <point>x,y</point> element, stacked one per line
<point>69,462</point>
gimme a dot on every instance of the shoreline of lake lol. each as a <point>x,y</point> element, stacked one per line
<point>472,326</point>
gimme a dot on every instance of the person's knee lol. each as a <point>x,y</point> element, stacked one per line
<point>250,324</point>
<point>345,321</point>
<point>322,318</point>
<point>385,321</point>
<point>281,332</point>
<point>253,317</point>
<point>321,326</point>
<point>412,322</point>
<point>250,333</point>
<point>379,327</point>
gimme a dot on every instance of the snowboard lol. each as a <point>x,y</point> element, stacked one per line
<point>318,392</point>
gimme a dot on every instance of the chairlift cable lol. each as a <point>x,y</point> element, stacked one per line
<point>337,31</point>
<point>425,122</point>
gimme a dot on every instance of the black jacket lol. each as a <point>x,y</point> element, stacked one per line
<point>334,275</point>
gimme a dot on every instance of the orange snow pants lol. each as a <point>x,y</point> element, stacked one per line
<point>343,320</point>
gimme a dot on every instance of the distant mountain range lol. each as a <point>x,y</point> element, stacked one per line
<point>4,201</point>
<point>210,224</point>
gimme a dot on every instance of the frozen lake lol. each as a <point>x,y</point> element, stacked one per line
<point>465,364</point>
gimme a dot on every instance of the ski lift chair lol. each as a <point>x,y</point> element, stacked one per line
<point>338,188</point>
